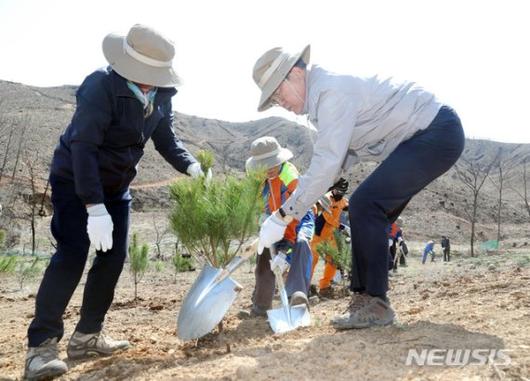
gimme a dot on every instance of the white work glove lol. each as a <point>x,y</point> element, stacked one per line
<point>345,229</point>
<point>195,171</point>
<point>279,261</point>
<point>271,231</point>
<point>99,227</point>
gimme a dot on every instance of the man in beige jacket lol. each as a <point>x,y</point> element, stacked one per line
<point>414,137</point>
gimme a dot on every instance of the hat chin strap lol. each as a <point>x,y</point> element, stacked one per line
<point>128,49</point>
<point>294,90</point>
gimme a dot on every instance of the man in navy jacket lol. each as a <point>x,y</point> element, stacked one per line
<point>118,109</point>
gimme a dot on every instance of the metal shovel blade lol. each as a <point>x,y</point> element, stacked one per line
<point>279,319</point>
<point>210,297</point>
<point>201,312</point>
<point>286,318</point>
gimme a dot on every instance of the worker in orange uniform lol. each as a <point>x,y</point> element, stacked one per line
<point>329,210</point>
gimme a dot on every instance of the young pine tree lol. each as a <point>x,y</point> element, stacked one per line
<point>213,220</point>
<point>340,255</point>
<point>139,260</point>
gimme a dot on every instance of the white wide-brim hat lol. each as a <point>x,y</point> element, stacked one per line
<point>272,68</point>
<point>267,153</point>
<point>143,56</point>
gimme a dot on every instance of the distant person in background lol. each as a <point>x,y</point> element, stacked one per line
<point>398,248</point>
<point>394,236</point>
<point>414,136</point>
<point>429,249</point>
<point>446,248</point>
<point>119,108</point>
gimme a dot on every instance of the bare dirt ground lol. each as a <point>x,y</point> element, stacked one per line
<point>470,303</point>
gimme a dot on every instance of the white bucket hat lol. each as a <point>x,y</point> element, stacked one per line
<point>272,68</point>
<point>143,56</point>
<point>266,153</point>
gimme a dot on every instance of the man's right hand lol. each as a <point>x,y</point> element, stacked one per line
<point>99,227</point>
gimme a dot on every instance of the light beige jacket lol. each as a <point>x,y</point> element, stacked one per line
<point>356,119</point>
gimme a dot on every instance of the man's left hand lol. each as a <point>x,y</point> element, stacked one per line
<point>195,171</point>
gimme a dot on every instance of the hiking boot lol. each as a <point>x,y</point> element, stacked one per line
<point>93,344</point>
<point>254,312</point>
<point>42,362</point>
<point>357,301</point>
<point>366,311</point>
<point>298,297</point>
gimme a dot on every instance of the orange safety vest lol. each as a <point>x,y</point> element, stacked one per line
<point>277,190</point>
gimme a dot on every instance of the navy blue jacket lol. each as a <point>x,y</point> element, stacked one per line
<point>101,147</point>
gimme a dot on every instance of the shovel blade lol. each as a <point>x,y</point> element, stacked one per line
<point>279,319</point>
<point>201,312</point>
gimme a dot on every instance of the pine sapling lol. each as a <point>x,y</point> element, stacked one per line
<point>139,260</point>
<point>340,255</point>
<point>213,221</point>
<point>27,270</point>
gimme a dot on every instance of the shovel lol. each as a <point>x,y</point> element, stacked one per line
<point>210,297</point>
<point>286,318</point>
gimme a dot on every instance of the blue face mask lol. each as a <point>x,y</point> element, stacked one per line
<point>147,99</point>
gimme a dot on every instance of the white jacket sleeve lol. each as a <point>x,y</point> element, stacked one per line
<point>336,116</point>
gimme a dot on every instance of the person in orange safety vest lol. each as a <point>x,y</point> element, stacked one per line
<point>327,221</point>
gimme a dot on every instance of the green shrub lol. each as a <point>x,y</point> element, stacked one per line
<point>159,266</point>
<point>181,264</point>
<point>28,269</point>
<point>139,261</point>
<point>8,263</point>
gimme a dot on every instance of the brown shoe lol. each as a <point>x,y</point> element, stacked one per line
<point>365,311</point>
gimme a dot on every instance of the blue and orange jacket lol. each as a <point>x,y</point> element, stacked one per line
<point>277,190</point>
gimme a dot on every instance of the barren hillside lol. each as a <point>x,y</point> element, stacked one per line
<point>35,117</point>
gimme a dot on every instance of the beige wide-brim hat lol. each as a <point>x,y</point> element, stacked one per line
<point>266,153</point>
<point>143,56</point>
<point>272,68</point>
